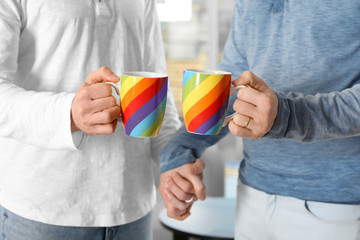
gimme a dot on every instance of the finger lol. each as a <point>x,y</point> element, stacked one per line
<point>236,130</point>
<point>242,120</point>
<point>102,129</point>
<point>250,95</point>
<point>244,108</point>
<point>195,178</point>
<point>250,79</point>
<point>180,187</point>
<point>179,217</point>
<point>193,174</point>
<point>101,104</point>
<point>182,216</point>
<point>174,205</point>
<point>194,168</point>
<point>199,187</point>
<point>99,90</point>
<point>198,167</point>
<point>106,116</point>
<point>183,184</point>
<point>102,74</point>
<point>172,211</point>
<point>172,185</point>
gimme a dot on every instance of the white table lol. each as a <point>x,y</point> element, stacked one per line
<point>209,219</point>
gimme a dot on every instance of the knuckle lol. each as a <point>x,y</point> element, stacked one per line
<point>108,129</point>
<point>182,206</point>
<point>188,170</point>
<point>117,110</point>
<point>234,130</point>
<point>170,183</point>
<point>82,93</point>
<point>113,101</point>
<point>236,105</point>
<point>103,69</point>
<point>82,110</point>
<point>201,188</point>
<point>88,130</point>
<point>169,198</point>
<point>182,196</point>
<point>176,177</point>
<point>236,118</point>
<point>112,128</point>
<point>247,74</point>
<point>104,89</point>
<point>171,209</point>
<point>237,132</point>
<point>192,169</point>
<point>171,174</point>
<point>187,187</point>
<point>108,89</point>
<point>107,119</point>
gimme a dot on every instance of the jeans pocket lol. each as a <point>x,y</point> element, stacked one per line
<point>336,214</point>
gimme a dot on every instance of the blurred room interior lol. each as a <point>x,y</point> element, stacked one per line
<point>194,34</point>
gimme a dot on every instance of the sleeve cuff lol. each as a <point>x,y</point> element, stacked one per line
<point>279,128</point>
<point>77,137</point>
<point>168,161</point>
<point>72,140</point>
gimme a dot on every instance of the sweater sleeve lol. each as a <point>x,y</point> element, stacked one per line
<point>41,119</point>
<point>185,147</point>
<point>318,117</point>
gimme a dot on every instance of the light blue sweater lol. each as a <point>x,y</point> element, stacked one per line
<point>308,52</point>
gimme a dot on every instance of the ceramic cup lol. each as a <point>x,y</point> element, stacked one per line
<point>142,101</point>
<point>205,97</point>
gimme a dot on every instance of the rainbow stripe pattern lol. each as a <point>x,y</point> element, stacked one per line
<point>143,103</point>
<point>205,100</point>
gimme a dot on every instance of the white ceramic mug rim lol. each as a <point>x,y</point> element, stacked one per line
<point>207,71</point>
<point>145,74</point>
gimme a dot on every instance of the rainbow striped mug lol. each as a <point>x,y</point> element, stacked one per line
<point>143,101</point>
<point>205,98</point>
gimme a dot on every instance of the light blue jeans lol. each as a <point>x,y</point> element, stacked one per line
<point>261,216</point>
<point>14,227</point>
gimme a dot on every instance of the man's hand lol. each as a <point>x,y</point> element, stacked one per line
<point>256,107</point>
<point>94,109</point>
<point>180,187</point>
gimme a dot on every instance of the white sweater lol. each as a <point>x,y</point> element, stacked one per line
<point>47,49</point>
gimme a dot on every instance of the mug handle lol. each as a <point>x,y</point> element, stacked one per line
<point>231,116</point>
<point>116,87</point>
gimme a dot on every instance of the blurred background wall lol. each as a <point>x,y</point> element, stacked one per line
<point>194,33</point>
